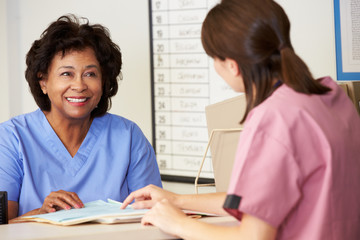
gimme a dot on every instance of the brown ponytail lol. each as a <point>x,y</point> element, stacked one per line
<point>297,75</point>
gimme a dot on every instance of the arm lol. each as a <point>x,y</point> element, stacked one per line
<point>13,209</point>
<point>195,202</point>
<point>54,201</point>
<point>170,219</point>
<point>150,195</point>
<point>143,168</point>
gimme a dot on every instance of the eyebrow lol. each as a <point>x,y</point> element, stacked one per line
<point>87,67</point>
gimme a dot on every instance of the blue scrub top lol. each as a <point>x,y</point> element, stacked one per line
<point>114,159</point>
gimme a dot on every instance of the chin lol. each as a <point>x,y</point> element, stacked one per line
<point>79,116</point>
<point>239,90</point>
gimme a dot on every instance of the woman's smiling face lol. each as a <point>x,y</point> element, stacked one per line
<point>73,84</point>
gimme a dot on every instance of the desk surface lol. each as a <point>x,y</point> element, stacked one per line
<point>90,231</point>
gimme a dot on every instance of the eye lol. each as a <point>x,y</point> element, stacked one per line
<point>66,74</point>
<point>90,74</point>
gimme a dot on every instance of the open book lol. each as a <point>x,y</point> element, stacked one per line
<point>96,211</point>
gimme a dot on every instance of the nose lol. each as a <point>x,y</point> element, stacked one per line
<point>78,84</point>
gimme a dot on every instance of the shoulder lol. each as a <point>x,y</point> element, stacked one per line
<point>282,106</point>
<point>19,122</point>
<point>117,123</point>
<point>16,130</point>
<point>287,105</point>
<point>122,129</point>
<point>114,119</point>
<point>328,82</point>
<point>286,113</point>
<point>309,117</point>
<point>337,98</point>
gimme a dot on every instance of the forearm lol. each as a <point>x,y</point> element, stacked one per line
<point>33,212</point>
<point>194,229</point>
<point>13,208</point>
<point>195,202</point>
<point>250,228</point>
<point>18,219</point>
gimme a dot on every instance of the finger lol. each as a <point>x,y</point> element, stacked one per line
<point>50,210</point>
<point>61,200</point>
<point>71,199</point>
<point>59,203</point>
<point>77,199</point>
<point>127,201</point>
<point>146,220</point>
<point>46,209</point>
<point>140,194</point>
<point>48,205</point>
<point>143,204</point>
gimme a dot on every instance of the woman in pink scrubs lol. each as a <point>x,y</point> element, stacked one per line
<point>297,170</point>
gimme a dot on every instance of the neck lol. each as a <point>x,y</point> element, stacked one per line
<point>71,132</point>
<point>276,83</point>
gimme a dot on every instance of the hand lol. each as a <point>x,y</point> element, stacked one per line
<point>60,200</point>
<point>147,197</point>
<point>165,216</point>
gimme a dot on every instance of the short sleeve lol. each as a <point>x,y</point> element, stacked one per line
<point>11,173</point>
<point>265,179</point>
<point>143,169</point>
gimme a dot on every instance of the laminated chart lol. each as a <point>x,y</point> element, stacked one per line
<point>184,82</point>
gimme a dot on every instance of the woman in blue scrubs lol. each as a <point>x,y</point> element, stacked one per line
<point>71,150</point>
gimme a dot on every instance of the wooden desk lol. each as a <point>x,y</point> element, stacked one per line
<point>91,231</point>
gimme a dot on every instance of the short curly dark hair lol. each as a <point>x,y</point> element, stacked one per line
<point>63,35</point>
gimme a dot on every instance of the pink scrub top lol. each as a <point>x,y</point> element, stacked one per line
<point>298,165</point>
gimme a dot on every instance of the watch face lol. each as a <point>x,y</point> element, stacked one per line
<point>3,208</point>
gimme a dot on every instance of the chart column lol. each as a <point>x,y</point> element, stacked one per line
<point>181,72</point>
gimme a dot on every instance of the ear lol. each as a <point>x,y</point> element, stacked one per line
<point>42,83</point>
<point>232,65</point>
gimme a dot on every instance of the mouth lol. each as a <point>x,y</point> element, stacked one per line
<point>77,100</point>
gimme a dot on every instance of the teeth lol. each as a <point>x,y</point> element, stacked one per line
<point>76,99</point>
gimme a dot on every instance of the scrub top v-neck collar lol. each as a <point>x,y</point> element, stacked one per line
<point>72,164</point>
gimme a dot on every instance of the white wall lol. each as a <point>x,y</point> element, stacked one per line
<point>22,21</point>
<point>313,33</point>
<point>129,27</point>
<point>4,80</point>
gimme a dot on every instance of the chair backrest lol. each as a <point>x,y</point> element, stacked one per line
<point>223,118</point>
<point>3,208</point>
<point>352,89</point>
